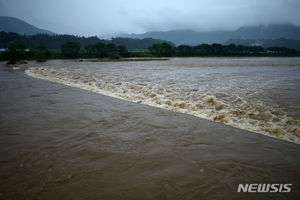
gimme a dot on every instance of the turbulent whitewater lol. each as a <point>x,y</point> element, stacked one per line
<point>256,94</point>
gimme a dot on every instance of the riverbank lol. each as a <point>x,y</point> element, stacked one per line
<point>124,59</point>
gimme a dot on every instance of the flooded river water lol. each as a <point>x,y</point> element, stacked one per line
<point>255,94</point>
<point>61,142</point>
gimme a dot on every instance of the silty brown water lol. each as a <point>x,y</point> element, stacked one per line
<point>256,94</point>
<point>63,142</point>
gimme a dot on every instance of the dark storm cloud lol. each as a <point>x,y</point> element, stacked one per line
<point>94,17</point>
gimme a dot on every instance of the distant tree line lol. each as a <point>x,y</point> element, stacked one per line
<point>55,41</point>
<point>102,50</point>
<point>73,49</point>
<point>168,50</point>
<point>137,44</point>
<point>18,51</point>
<point>49,41</point>
<point>70,50</point>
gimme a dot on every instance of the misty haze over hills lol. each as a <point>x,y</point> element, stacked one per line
<point>286,35</point>
<point>189,37</point>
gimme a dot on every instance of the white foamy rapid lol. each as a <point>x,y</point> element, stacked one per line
<point>232,109</point>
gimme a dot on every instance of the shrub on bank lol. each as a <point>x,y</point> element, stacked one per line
<point>14,53</point>
<point>70,49</point>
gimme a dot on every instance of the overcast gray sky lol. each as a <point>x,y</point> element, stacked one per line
<point>96,17</point>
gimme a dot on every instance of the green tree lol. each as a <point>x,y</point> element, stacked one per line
<point>156,49</point>
<point>90,50</point>
<point>71,49</point>
<point>122,50</point>
<point>114,55</point>
<point>15,52</point>
<point>168,50</point>
<point>163,49</point>
<point>112,51</point>
<point>41,53</point>
<point>100,49</point>
<point>184,50</point>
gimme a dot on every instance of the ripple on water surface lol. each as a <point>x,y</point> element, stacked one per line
<point>258,95</point>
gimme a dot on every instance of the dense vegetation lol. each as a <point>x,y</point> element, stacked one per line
<point>74,49</point>
<point>135,44</point>
<point>49,41</point>
<point>55,41</point>
<point>220,50</point>
<point>70,49</point>
<point>266,43</point>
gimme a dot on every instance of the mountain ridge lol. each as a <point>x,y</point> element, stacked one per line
<point>287,35</point>
<point>12,24</point>
<point>190,37</point>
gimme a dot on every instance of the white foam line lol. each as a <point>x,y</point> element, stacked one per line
<point>95,89</point>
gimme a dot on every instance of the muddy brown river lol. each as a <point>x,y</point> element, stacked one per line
<point>61,138</point>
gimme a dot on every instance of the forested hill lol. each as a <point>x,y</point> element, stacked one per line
<point>190,37</point>
<point>49,41</point>
<point>55,41</point>
<point>11,24</point>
